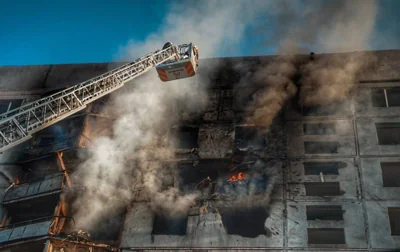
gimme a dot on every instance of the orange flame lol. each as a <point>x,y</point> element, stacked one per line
<point>234,178</point>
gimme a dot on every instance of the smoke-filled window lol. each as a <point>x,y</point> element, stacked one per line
<point>385,97</point>
<point>320,147</point>
<point>394,218</point>
<point>190,176</point>
<point>391,174</point>
<point>331,109</point>
<point>249,138</point>
<point>107,227</point>
<point>388,133</point>
<point>319,128</point>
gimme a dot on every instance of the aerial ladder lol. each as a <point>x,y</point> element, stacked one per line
<point>18,125</point>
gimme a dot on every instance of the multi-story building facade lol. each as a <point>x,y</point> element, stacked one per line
<point>335,170</point>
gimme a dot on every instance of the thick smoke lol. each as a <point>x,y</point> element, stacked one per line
<point>120,167</point>
<point>147,109</point>
<point>323,26</point>
<point>130,160</point>
<point>269,100</point>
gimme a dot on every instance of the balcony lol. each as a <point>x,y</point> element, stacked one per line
<point>28,229</point>
<point>51,184</point>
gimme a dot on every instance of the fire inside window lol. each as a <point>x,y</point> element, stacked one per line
<point>385,97</point>
<point>7,105</point>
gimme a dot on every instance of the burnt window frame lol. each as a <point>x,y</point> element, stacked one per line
<point>378,104</point>
<point>251,136</point>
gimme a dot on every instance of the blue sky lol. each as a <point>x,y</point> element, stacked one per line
<point>81,31</point>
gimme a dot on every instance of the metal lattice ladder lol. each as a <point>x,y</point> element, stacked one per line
<point>18,125</point>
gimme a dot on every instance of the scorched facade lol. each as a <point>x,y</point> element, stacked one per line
<point>325,177</point>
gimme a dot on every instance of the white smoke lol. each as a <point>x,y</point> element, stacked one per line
<point>214,26</point>
<point>147,109</point>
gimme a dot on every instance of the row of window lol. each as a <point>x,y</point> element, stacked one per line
<point>335,213</point>
<point>390,171</point>
<point>164,225</point>
<point>387,133</point>
<point>381,97</point>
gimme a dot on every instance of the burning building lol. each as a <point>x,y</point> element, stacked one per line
<point>262,166</point>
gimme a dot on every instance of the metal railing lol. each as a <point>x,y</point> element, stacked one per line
<point>34,221</point>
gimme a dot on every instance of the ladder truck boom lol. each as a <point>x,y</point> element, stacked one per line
<point>18,125</point>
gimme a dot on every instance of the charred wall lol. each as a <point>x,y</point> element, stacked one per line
<point>331,164</point>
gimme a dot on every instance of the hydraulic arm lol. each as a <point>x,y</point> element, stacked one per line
<point>18,125</point>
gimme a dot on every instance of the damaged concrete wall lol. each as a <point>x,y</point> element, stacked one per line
<point>216,142</point>
<point>203,230</point>
<point>351,169</point>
